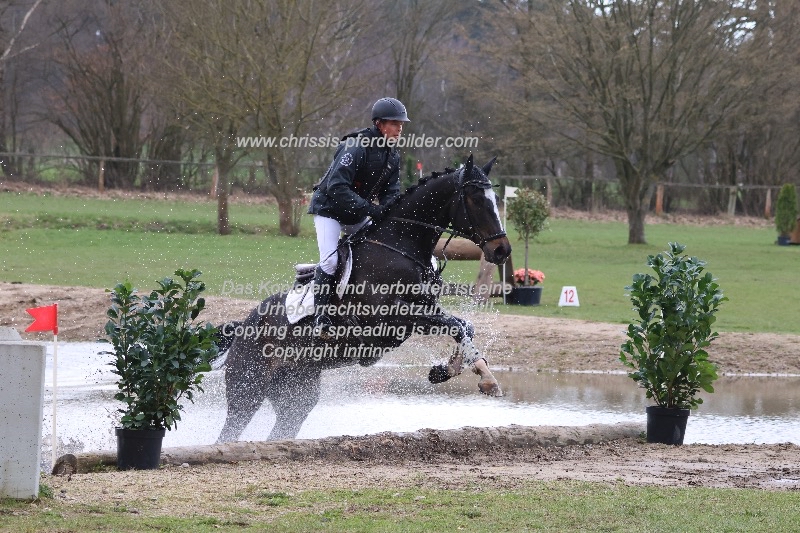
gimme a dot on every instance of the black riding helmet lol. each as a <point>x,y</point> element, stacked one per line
<point>389,109</point>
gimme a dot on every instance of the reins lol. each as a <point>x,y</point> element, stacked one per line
<point>473,236</point>
<point>405,254</point>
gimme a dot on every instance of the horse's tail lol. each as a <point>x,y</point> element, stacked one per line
<point>224,338</point>
<point>225,335</point>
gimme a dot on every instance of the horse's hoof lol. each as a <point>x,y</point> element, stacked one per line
<point>438,374</point>
<point>490,388</point>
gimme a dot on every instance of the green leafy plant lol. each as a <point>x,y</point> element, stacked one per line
<point>786,210</point>
<point>666,347</point>
<point>528,213</point>
<point>159,351</point>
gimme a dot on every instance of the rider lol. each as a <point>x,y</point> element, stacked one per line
<point>365,170</point>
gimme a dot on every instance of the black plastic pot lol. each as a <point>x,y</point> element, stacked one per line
<point>666,425</point>
<point>139,449</point>
<point>525,295</point>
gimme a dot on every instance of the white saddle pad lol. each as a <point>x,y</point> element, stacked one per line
<point>300,301</point>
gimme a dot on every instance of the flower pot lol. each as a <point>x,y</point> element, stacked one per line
<point>525,295</point>
<point>139,449</point>
<point>784,240</point>
<point>666,425</point>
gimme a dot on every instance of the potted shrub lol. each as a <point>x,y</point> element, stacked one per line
<point>666,346</point>
<point>786,213</point>
<point>527,281</point>
<point>528,212</point>
<point>159,353</point>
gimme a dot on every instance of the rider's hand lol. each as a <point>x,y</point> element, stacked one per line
<point>376,212</point>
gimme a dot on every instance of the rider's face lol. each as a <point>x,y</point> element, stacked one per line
<point>391,128</point>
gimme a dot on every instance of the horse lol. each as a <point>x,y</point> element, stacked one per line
<point>392,292</point>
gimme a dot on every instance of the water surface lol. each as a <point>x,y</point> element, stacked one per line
<point>358,401</point>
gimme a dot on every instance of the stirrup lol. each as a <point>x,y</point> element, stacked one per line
<point>323,327</point>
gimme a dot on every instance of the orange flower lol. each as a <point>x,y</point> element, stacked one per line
<point>534,276</point>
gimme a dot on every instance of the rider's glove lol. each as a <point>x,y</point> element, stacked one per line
<point>376,212</point>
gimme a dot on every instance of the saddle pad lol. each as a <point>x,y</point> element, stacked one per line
<point>300,300</point>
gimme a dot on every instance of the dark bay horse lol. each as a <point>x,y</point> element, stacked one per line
<point>392,293</point>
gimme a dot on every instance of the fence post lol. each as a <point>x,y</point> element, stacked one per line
<point>214,180</point>
<point>732,201</point>
<point>768,204</point>
<point>659,199</point>
<point>548,190</point>
<point>101,176</point>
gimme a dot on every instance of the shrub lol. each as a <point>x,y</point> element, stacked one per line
<point>666,346</point>
<point>786,210</point>
<point>159,349</point>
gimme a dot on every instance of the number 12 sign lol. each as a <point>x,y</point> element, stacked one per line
<point>569,297</point>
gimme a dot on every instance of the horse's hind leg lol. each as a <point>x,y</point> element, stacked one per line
<point>293,392</point>
<point>245,390</point>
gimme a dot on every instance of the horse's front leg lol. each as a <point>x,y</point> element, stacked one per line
<point>466,354</point>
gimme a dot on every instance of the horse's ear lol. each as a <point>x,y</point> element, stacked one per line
<point>488,166</point>
<point>468,167</point>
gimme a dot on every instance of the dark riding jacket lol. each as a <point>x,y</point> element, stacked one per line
<point>363,169</point>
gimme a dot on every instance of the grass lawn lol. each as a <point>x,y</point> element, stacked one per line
<point>556,506</point>
<point>99,242</point>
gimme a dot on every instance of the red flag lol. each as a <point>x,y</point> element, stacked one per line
<point>44,318</point>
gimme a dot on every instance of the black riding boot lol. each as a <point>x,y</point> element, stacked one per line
<point>323,289</point>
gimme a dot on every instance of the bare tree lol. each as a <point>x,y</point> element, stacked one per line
<point>14,19</point>
<point>760,144</point>
<point>642,82</point>
<point>9,46</point>
<point>419,30</point>
<point>267,68</point>
<point>97,93</point>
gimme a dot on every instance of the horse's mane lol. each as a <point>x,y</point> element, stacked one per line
<point>421,181</point>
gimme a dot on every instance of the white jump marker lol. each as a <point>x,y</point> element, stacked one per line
<point>569,297</point>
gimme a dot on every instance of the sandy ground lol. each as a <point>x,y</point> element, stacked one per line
<point>226,490</point>
<point>519,342</point>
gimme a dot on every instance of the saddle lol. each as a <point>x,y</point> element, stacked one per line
<point>300,299</point>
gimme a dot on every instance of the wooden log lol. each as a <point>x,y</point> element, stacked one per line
<point>483,285</point>
<point>458,250</point>
<point>395,446</point>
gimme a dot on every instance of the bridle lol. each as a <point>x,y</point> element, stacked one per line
<point>473,236</point>
<point>481,185</point>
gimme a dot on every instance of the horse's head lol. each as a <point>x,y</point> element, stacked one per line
<point>476,213</point>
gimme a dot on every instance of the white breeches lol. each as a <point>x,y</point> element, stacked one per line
<point>328,232</point>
